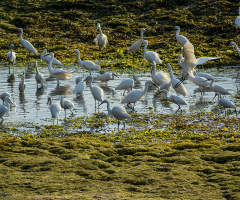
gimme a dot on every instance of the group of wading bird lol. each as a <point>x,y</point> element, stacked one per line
<point>160,79</point>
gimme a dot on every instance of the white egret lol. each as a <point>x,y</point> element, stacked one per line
<point>204,75</point>
<point>237,20</point>
<point>174,99</point>
<point>225,103</point>
<point>217,88</point>
<point>66,104</point>
<point>47,58</point>
<point>165,86</point>
<point>89,65</point>
<point>3,95</point>
<point>80,86</point>
<point>22,84</point>
<point>27,45</point>
<point>126,84</point>
<point>236,47</point>
<point>107,77</point>
<point>118,112</point>
<point>101,39</point>
<point>136,45</point>
<point>189,61</point>
<point>150,56</point>
<point>59,74</point>
<point>158,77</point>
<point>180,38</point>
<point>5,109</point>
<point>176,84</point>
<point>97,92</point>
<point>11,56</point>
<point>39,77</point>
<point>55,108</point>
<point>199,81</point>
<point>135,95</point>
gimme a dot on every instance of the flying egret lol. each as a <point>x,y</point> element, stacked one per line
<point>59,74</point>
<point>174,99</point>
<point>22,84</point>
<point>80,86</point>
<point>158,77</point>
<point>97,92</point>
<point>107,77</point>
<point>101,39</point>
<point>136,45</point>
<point>27,45</point>
<point>237,20</point>
<point>135,95</point>
<point>199,81</point>
<point>180,38</point>
<point>47,58</point>
<point>176,84</point>
<point>236,47</point>
<point>66,104</point>
<point>225,103</point>
<point>89,65</point>
<point>150,56</point>
<point>189,61</point>
<point>126,84</point>
<point>39,77</point>
<point>118,112</point>
<point>55,109</point>
<point>3,95</point>
<point>11,56</point>
<point>217,88</point>
<point>5,109</point>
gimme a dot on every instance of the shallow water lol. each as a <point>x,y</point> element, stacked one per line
<point>32,106</point>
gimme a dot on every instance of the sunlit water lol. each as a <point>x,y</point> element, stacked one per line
<point>32,106</point>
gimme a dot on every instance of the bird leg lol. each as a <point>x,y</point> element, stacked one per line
<point>128,105</point>
<point>236,111</point>
<point>178,108</point>
<point>118,124</point>
<point>124,92</point>
<point>2,120</point>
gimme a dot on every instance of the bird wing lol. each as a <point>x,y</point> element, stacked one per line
<point>120,113</point>
<point>79,88</point>
<point>132,96</point>
<point>202,60</point>
<point>91,65</point>
<point>125,84</point>
<point>188,52</point>
<point>153,56</point>
<point>97,93</point>
<point>135,46</point>
<point>27,45</point>
<point>237,22</point>
<point>47,58</point>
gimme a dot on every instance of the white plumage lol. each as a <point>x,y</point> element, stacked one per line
<point>176,84</point>
<point>47,58</point>
<point>199,81</point>
<point>59,74</point>
<point>22,84</point>
<point>158,77</point>
<point>218,88</point>
<point>27,45</point>
<point>101,39</point>
<point>55,108</point>
<point>237,20</point>
<point>5,109</point>
<point>126,84</point>
<point>174,99</point>
<point>38,76</point>
<point>118,112</point>
<point>150,56</point>
<point>11,56</point>
<point>80,86</point>
<point>236,47</point>
<point>97,92</point>
<point>135,95</point>
<point>107,77</point>
<point>66,104</point>
<point>3,95</point>
<point>204,75</point>
<point>89,65</point>
<point>180,38</point>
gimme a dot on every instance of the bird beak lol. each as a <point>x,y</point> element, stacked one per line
<point>100,104</point>
<point>155,85</point>
<point>85,79</point>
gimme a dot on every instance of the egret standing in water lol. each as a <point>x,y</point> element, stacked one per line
<point>107,77</point>
<point>135,95</point>
<point>101,39</point>
<point>236,47</point>
<point>97,92</point>
<point>225,103</point>
<point>217,88</point>
<point>5,109</point>
<point>47,58</point>
<point>199,81</point>
<point>66,104</point>
<point>27,45</point>
<point>80,86</point>
<point>39,77</point>
<point>158,77</point>
<point>136,45</point>
<point>126,84</point>
<point>11,57</point>
<point>150,56</point>
<point>118,112</point>
<point>22,84</point>
<point>55,109</point>
<point>59,74</point>
<point>89,65</point>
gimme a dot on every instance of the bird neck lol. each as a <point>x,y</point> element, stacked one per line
<point>145,49</point>
<point>100,31</point>
<point>109,109</point>
<point>177,32</point>
<point>171,73</point>
<point>154,70</point>
<point>50,66</point>
<point>79,59</point>
<point>21,33</point>
<point>141,39</point>
<point>144,92</point>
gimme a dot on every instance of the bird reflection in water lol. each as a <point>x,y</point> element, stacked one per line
<point>61,90</point>
<point>81,102</point>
